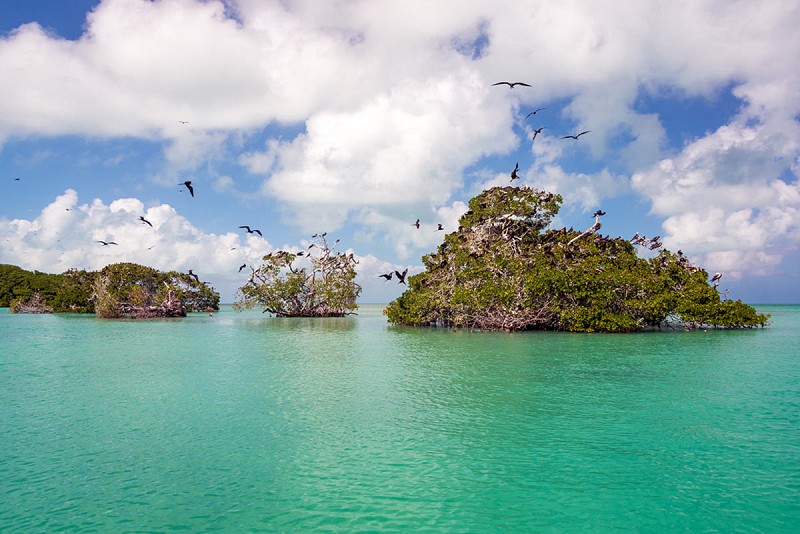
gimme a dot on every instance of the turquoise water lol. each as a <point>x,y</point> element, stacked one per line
<point>239,422</point>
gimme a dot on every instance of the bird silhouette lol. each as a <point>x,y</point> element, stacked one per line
<point>598,213</point>
<point>401,276</point>
<point>417,224</point>
<point>194,276</point>
<point>184,122</point>
<point>249,231</point>
<point>242,266</point>
<point>141,218</point>
<point>534,112</point>
<point>537,132</point>
<point>440,227</point>
<point>106,243</point>
<point>514,175</point>
<point>188,184</point>
<point>388,276</point>
<point>575,136</point>
<point>512,84</point>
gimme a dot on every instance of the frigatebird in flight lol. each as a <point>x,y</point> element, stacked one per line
<point>534,112</point>
<point>249,231</point>
<point>188,184</point>
<point>537,132</point>
<point>514,175</point>
<point>106,243</point>
<point>598,213</point>
<point>388,276</point>
<point>575,136</point>
<point>242,266</point>
<point>401,276</point>
<point>440,227</point>
<point>417,224</point>
<point>512,84</point>
<point>141,218</point>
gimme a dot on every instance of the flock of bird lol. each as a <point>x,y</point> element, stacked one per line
<point>650,243</point>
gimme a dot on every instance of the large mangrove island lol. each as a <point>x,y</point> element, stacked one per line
<point>504,269</point>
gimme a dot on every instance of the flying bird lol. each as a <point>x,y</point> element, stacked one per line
<point>194,276</point>
<point>512,84</point>
<point>141,218</point>
<point>598,213</point>
<point>575,136</point>
<point>388,276</point>
<point>401,276</point>
<point>417,224</point>
<point>440,227</point>
<point>514,175</point>
<point>537,132</point>
<point>534,112</point>
<point>184,122</point>
<point>249,231</point>
<point>188,184</point>
<point>106,243</point>
<point>242,266</point>
<point>716,277</point>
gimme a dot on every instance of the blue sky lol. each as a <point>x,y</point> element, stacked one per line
<point>357,118</point>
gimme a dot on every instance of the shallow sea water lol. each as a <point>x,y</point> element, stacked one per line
<point>244,423</point>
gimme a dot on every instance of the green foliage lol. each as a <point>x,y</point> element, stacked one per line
<point>17,283</point>
<point>503,271</point>
<point>325,289</point>
<point>102,292</point>
<point>129,289</point>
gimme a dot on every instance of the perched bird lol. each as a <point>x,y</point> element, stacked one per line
<point>514,175</point>
<point>106,243</point>
<point>188,184</point>
<point>388,276</point>
<point>242,266</point>
<point>534,112</point>
<point>401,276</point>
<point>417,224</point>
<point>598,213</point>
<point>512,84</point>
<point>249,231</point>
<point>194,276</point>
<point>716,277</point>
<point>440,227</point>
<point>575,136</point>
<point>141,218</point>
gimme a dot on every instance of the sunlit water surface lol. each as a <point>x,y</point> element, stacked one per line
<point>241,422</point>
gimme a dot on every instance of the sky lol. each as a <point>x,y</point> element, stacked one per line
<point>357,117</point>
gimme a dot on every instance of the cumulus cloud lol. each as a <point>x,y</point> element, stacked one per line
<point>723,196</point>
<point>66,234</point>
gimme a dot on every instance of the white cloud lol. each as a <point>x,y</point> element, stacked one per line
<point>408,146</point>
<point>65,234</point>
<point>723,197</point>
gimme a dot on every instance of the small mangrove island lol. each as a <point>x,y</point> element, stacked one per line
<point>503,269</point>
<point>120,290</point>
<point>325,288</point>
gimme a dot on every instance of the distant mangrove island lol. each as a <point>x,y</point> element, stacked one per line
<point>120,290</point>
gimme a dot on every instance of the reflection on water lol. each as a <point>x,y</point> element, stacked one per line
<point>242,422</point>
